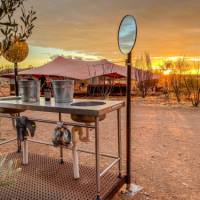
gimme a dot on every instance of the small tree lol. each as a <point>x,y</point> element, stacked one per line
<point>143,74</point>
<point>104,90</point>
<point>166,70</point>
<point>176,78</point>
<point>192,83</point>
<point>12,26</point>
<point>16,27</point>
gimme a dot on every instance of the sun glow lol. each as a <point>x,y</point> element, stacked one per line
<point>167,72</point>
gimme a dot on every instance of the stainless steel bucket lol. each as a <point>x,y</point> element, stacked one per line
<point>63,91</point>
<point>29,90</point>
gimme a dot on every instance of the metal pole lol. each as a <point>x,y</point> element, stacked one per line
<point>97,158</point>
<point>119,141</point>
<point>128,119</point>
<point>109,167</point>
<point>51,121</point>
<point>19,143</point>
<point>25,152</point>
<point>16,81</point>
<point>61,146</point>
<point>8,141</point>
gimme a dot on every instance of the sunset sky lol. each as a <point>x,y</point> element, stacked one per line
<point>88,28</point>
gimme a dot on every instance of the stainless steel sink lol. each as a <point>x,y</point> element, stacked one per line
<point>9,98</point>
<point>10,110</point>
<point>87,118</point>
<point>88,103</point>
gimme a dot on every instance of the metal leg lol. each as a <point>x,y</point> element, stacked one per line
<point>19,145</point>
<point>0,132</point>
<point>13,120</point>
<point>25,152</point>
<point>98,189</point>
<point>61,155</point>
<point>61,147</point>
<point>75,161</point>
<point>119,141</point>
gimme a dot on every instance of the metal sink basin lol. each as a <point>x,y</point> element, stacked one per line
<point>87,118</point>
<point>88,103</point>
<point>10,110</point>
<point>9,98</point>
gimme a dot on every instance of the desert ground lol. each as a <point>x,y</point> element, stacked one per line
<point>165,151</point>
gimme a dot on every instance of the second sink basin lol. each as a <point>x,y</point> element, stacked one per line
<point>87,118</point>
<point>88,103</point>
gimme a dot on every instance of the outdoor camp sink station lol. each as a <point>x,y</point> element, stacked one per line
<point>75,181</point>
<point>90,108</point>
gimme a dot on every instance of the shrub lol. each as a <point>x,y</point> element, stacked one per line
<point>8,170</point>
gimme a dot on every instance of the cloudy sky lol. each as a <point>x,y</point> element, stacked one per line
<point>88,28</point>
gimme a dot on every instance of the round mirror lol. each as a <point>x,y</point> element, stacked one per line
<point>127,34</point>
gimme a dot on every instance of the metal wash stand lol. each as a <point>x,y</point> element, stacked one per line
<point>95,111</point>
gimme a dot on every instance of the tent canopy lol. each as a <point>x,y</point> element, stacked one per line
<point>76,69</point>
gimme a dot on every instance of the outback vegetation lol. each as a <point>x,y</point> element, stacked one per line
<point>144,74</point>
<point>192,84</point>
<point>104,89</point>
<point>13,30</point>
<point>176,79</point>
<point>8,171</point>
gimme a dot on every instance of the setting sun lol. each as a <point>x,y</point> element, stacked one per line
<point>167,72</point>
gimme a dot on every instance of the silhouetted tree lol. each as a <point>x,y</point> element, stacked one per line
<point>176,78</point>
<point>144,74</point>
<point>192,83</point>
<point>10,26</point>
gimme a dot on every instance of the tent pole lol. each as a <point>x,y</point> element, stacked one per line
<point>16,81</point>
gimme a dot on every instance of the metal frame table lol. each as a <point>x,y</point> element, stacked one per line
<point>95,111</point>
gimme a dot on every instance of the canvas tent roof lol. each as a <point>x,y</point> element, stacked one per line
<point>76,68</point>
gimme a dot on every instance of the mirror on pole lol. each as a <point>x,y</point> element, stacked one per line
<point>127,34</point>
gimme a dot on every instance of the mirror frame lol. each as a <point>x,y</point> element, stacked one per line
<point>136,33</point>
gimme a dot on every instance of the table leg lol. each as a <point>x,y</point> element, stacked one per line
<point>61,155</point>
<point>61,147</point>
<point>75,158</point>
<point>98,189</point>
<point>0,131</point>
<point>19,145</point>
<point>75,161</point>
<point>25,152</point>
<point>119,141</point>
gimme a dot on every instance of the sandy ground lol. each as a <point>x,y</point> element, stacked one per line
<point>165,152</point>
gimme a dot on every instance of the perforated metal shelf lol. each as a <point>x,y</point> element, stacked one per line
<point>45,179</point>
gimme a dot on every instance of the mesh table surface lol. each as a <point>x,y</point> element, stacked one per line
<point>45,179</point>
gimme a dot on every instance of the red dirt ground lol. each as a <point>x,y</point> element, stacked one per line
<point>165,152</point>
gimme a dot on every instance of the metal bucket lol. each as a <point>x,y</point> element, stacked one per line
<point>29,90</point>
<point>63,91</point>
